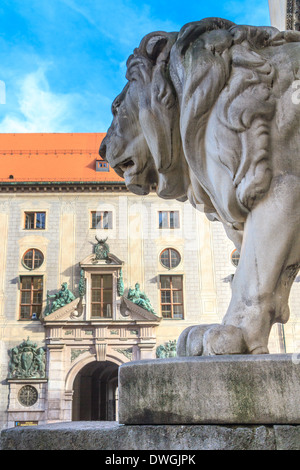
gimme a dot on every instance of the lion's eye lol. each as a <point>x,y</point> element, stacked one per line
<point>114,110</point>
<point>115,107</point>
<point>127,164</point>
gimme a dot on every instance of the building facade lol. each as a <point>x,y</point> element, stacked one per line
<point>92,276</point>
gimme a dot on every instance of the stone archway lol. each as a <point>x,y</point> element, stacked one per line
<point>95,392</point>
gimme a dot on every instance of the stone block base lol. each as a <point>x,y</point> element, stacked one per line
<point>196,403</point>
<point>109,436</point>
<point>262,389</point>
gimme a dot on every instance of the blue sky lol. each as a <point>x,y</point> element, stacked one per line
<point>63,61</point>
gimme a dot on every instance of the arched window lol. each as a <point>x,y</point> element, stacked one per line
<point>170,258</point>
<point>235,258</point>
<point>33,258</point>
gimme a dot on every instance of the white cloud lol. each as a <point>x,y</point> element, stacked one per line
<point>122,22</point>
<point>39,109</point>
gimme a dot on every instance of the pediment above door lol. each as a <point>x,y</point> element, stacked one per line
<point>71,311</point>
<point>134,312</point>
<point>92,261</point>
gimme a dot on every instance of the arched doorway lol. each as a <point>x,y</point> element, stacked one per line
<point>95,396</point>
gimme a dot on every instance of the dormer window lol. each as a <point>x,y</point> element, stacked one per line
<point>102,166</point>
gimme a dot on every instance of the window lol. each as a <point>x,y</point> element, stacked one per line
<point>171,295</point>
<point>168,219</point>
<point>170,258</point>
<point>102,165</point>
<point>33,258</point>
<point>35,220</point>
<point>101,296</point>
<point>31,298</point>
<point>235,258</point>
<point>101,220</point>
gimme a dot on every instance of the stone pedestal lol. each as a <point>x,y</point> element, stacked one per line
<point>262,389</point>
<point>197,403</point>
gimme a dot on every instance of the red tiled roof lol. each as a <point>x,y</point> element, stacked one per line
<point>52,158</point>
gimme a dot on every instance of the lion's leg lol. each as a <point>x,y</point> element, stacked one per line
<point>190,341</point>
<point>269,261</point>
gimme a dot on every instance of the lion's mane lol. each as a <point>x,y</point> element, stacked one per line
<point>202,77</point>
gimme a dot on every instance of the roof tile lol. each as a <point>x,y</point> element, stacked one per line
<point>52,157</point>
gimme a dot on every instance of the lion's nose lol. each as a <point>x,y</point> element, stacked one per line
<point>102,150</point>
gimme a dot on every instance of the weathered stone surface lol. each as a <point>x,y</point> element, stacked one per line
<point>103,435</point>
<point>210,114</point>
<point>287,437</point>
<point>262,389</point>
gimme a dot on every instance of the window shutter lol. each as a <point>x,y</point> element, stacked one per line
<point>110,220</point>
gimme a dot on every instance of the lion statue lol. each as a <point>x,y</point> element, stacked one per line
<point>209,115</point>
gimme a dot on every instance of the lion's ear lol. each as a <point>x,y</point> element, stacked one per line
<point>155,46</point>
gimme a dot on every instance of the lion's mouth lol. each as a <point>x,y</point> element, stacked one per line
<point>139,175</point>
<point>124,166</point>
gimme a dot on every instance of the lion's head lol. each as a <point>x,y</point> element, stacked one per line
<point>143,143</point>
<point>194,104</point>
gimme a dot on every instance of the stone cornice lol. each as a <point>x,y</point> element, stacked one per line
<point>59,187</point>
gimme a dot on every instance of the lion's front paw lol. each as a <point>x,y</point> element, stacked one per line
<point>215,339</point>
<point>190,342</point>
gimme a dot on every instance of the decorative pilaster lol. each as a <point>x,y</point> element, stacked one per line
<point>293,15</point>
<point>56,383</point>
<point>4,211</point>
<point>67,241</point>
